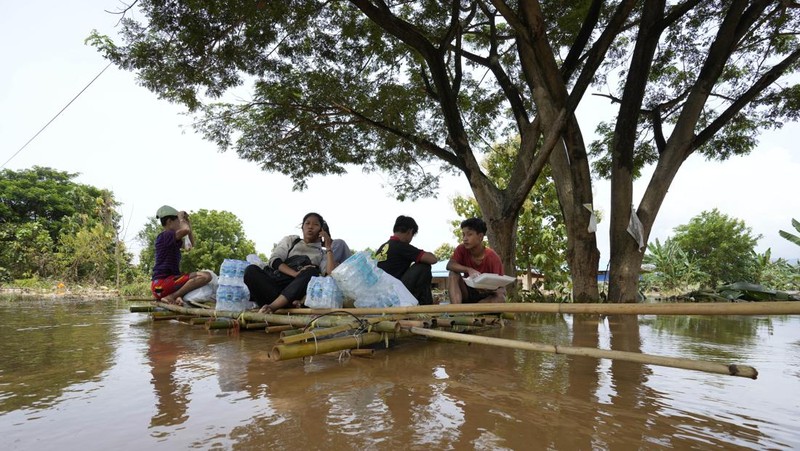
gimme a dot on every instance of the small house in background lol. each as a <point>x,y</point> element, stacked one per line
<point>439,273</point>
<point>439,280</point>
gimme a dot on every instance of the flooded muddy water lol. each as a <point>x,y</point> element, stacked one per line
<point>91,375</point>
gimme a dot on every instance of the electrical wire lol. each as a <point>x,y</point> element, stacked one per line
<point>54,117</point>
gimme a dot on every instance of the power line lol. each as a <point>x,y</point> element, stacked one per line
<point>54,117</point>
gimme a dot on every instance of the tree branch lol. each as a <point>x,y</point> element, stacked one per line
<point>748,96</point>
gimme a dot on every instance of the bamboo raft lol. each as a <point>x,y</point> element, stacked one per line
<point>309,332</point>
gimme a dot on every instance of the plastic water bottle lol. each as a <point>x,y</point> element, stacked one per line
<point>240,267</point>
<point>223,297</point>
<point>226,272</point>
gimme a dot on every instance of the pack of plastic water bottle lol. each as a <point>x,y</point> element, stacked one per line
<point>232,294</point>
<point>322,292</point>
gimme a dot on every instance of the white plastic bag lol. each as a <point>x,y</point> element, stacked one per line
<point>403,298</point>
<point>207,292</point>
<point>322,292</point>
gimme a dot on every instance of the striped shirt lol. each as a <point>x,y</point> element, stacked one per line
<point>168,255</point>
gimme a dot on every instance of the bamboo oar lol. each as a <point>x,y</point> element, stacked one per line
<point>701,308</point>
<point>688,364</point>
<point>294,351</point>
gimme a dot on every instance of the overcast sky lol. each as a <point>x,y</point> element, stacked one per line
<point>120,137</point>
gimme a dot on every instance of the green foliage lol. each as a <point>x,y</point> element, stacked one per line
<point>218,235</point>
<point>541,234</point>
<point>722,247</point>
<point>90,254</point>
<point>793,238</point>
<point>49,197</point>
<point>444,252</point>
<point>27,250</point>
<point>51,226</point>
<point>674,270</point>
<point>776,274</point>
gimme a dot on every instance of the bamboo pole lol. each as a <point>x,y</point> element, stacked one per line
<point>291,331</point>
<point>163,318</point>
<point>142,308</point>
<point>297,350</point>
<point>688,364</point>
<point>363,352</point>
<point>467,320</point>
<point>377,326</point>
<point>700,308</point>
<point>278,329</point>
<point>251,326</point>
<point>316,334</point>
<point>406,323</point>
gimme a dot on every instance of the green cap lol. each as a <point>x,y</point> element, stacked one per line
<point>165,211</point>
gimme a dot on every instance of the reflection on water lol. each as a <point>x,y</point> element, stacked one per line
<point>93,376</point>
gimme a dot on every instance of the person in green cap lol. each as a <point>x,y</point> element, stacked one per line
<point>168,283</point>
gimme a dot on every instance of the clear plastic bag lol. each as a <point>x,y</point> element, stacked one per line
<point>360,278</point>
<point>357,274</point>
<point>387,292</point>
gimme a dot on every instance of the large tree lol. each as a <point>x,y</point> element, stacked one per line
<point>50,197</point>
<point>722,247</point>
<point>541,236</point>
<point>399,85</point>
<point>51,226</point>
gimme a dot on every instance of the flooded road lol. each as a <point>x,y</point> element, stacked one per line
<point>91,375</point>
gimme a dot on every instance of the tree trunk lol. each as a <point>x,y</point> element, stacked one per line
<point>626,257</point>
<point>502,235</point>
<point>573,184</point>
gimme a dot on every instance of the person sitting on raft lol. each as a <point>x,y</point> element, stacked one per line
<point>472,258</point>
<point>168,283</point>
<point>404,262</point>
<point>294,261</point>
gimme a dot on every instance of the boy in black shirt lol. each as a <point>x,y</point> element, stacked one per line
<point>405,262</point>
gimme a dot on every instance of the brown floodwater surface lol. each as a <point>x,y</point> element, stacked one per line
<point>91,375</point>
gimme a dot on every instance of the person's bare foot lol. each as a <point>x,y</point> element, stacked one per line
<point>170,299</point>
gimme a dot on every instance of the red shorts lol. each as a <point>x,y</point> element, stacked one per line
<point>168,285</point>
